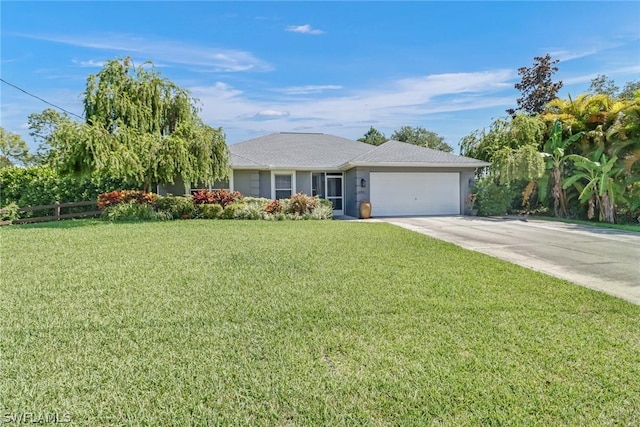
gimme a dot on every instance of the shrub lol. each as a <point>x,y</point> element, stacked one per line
<point>10,212</point>
<point>248,212</point>
<point>211,211</point>
<point>130,211</point>
<point>259,203</point>
<point>493,199</point>
<point>230,211</point>
<point>274,206</point>
<point>220,197</point>
<point>125,196</point>
<point>323,211</point>
<point>178,207</point>
<point>301,204</point>
<point>42,185</point>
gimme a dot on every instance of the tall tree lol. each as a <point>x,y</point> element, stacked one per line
<point>42,126</point>
<point>629,90</point>
<point>139,127</point>
<point>373,137</point>
<point>603,85</point>
<point>536,86</point>
<point>13,150</point>
<point>511,145</point>
<point>422,137</point>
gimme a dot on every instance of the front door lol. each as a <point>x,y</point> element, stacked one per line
<point>334,192</point>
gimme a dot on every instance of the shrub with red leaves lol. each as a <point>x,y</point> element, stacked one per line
<point>301,204</point>
<point>123,196</point>
<point>274,206</point>
<point>219,197</point>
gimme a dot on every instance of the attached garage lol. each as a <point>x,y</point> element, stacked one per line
<point>414,193</point>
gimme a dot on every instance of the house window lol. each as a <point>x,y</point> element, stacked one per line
<point>317,185</point>
<point>283,186</point>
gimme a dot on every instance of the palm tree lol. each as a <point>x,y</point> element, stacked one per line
<point>594,115</point>
<point>624,134</point>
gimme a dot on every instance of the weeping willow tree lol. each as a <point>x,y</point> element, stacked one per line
<point>511,145</point>
<point>139,127</point>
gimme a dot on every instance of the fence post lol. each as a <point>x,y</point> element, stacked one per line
<point>57,203</point>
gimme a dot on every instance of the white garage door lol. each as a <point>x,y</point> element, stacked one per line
<point>411,193</point>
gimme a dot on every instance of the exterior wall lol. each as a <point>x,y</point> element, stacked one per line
<point>265,184</point>
<point>218,185</point>
<point>467,179</point>
<point>176,189</point>
<point>258,184</point>
<point>247,182</point>
<point>363,194</point>
<point>303,182</point>
<point>352,196</point>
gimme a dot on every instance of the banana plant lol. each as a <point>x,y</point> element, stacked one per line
<point>597,182</point>
<point>554,157</point>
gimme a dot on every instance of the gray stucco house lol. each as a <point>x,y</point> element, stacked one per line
<point>396,178</point>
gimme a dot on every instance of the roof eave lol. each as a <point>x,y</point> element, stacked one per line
<point>479,164</point>
<point>287,168</point>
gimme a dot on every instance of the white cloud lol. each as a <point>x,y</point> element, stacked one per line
<point>304,29</point>
<point>567,55</point>
<point>589,47</point>
<point>167,51</point>
<point>90,63</point>
<point>391,104</point>
<point>308,89</point>
<point>586,78</point>
<point>271,114</point>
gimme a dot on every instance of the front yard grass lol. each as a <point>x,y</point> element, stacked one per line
<point>300,323</point>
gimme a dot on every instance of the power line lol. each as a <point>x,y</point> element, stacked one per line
<point>37,97</point>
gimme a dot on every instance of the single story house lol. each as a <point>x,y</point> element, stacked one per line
<point>396,178</point>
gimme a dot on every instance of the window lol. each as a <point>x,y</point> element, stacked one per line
<point>317,185</point>
<point>283,185</point>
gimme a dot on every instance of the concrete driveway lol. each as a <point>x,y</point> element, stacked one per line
<point>598,258</point>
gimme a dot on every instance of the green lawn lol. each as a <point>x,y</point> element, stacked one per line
<point>300,323</point>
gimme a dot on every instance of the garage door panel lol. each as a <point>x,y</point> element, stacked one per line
<point>412,193</point>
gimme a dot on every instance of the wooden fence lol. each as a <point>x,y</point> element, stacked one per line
<point>57,212</point>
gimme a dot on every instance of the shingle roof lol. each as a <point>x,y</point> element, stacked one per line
<point>287,150</point>
<point>298,150</point>
<point>240,161</point>
<point>397,152</point>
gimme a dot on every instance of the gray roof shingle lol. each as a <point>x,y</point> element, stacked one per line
<point>402,152</point>
<point>288,150</point>
<point>298,150</point>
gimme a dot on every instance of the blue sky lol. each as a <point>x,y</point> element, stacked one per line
<point>331,67</point>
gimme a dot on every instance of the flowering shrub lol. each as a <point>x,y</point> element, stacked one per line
<point>301,204</point>
<point>124,196</point>
<point>217,204</point>
<point>220,197</point>
<point>274,206</point>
